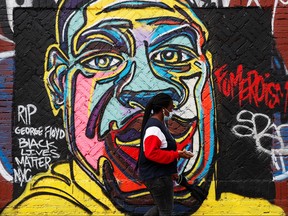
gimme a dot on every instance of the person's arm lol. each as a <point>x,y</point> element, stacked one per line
<point>154,153</point>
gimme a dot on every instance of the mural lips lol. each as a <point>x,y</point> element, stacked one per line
<point>123,143</point>
<point>122,148</point>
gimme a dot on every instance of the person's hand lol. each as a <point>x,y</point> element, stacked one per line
<point>185,154</point>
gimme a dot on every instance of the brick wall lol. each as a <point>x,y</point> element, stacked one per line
<point>74,85</point>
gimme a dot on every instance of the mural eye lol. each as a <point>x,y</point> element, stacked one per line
<point>171,56</point>
<point>103,62</point>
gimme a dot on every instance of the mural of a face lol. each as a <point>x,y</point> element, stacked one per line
<point>111,57</point>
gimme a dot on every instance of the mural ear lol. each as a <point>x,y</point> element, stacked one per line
<point>54,77</point>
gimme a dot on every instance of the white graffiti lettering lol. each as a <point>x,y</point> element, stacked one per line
<point>22,175</point>
<point>249,128</point>
<point>54,133</point>
<point>259,127</point>
<point>30,131</point>
<point>36,145</point>
<point>33,162</point>
<point>32,142</point>
<point>25,113</point>
<point>34,155</point>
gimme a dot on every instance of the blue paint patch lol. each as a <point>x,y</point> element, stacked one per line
<point>7,165</point>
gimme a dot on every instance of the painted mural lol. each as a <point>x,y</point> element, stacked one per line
<point>76,76</point>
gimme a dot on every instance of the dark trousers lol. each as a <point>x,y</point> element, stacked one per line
<point>161,189</point>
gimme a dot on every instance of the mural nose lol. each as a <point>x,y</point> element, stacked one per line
<point>141,98</point>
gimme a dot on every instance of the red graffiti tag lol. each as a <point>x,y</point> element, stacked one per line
<point>251,87</point>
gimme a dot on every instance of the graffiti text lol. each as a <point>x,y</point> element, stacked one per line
<point>253,88</point>
<point>36,144</point>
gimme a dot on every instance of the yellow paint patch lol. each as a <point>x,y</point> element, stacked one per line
<point>233,204</point>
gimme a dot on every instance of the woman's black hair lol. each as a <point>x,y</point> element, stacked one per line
<point>155,104</point>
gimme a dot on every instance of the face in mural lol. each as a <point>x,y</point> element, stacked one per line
<point>111,57</point>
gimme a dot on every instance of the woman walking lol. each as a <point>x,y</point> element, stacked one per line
<point>158,155</point>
